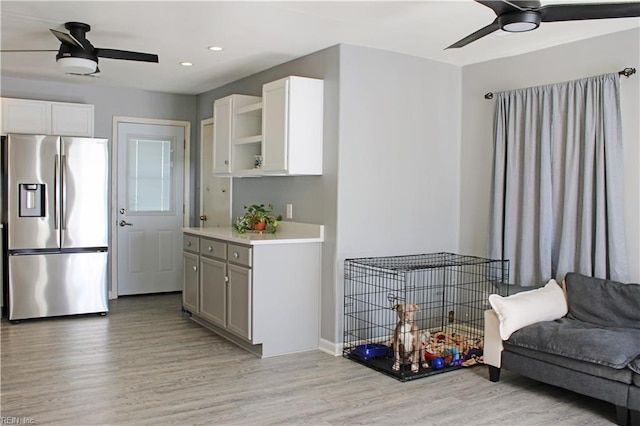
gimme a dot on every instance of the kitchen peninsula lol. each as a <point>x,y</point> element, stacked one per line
<point>259,290</point>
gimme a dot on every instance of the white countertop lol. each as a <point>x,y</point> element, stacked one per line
<point>287,233</point>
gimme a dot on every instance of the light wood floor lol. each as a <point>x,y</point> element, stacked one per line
<point>146,363</point>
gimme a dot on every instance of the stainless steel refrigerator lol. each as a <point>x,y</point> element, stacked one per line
<point>56,219</point>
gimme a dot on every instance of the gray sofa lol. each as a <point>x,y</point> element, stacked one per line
<point>594,349</point>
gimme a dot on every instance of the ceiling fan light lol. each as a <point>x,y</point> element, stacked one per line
<point>73,65</point>
<point>518,22</point>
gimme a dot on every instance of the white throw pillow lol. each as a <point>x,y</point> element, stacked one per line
<point>528,307</point>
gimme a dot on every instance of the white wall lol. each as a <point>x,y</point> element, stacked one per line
<point>596,56</point>
<point>399,144</point>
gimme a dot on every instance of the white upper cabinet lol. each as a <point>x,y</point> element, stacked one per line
<point>237,138</point>
<point>72,119</point>
<point>24,116</point>
<point>47,118</point>
<point>222,115</point>
<point>278,134</point>
<point>292,124</point>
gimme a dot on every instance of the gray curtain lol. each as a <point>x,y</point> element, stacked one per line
<point>557,204</point>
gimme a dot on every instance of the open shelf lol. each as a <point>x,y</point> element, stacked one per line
<point>254,109</point>
<point>248,139</point>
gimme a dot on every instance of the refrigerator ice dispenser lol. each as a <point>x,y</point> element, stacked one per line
<point>31,199</point>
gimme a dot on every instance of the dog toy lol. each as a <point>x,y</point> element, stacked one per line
<point>438,363</point>
<point>453,355</point>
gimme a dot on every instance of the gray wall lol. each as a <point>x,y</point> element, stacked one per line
<point>108,101</point>
<point>596,56</point>
<point>391,148</point>
<point>313,197</point>
<point>407,145</point>
<point>399,145</point>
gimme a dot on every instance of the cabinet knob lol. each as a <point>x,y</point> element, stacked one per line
<point>210,248</point>
<point>188,243</point>
<point>226,162</point>
<point>236,255</point>
<point>195,268</point>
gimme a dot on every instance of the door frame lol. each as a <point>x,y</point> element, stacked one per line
<point>203,123</point>
<point>186,198</point>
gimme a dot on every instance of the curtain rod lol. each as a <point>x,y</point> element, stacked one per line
<point>627,72</point>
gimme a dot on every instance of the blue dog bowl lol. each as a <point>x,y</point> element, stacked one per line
<point>371,350</point>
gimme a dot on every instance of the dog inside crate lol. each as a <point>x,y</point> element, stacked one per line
<point>413,316</point>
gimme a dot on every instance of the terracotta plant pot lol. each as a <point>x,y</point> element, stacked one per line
<point>260,226</point>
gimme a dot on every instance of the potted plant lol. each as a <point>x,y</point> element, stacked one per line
<point>257,217</point>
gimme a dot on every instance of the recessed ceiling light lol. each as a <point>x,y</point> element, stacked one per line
<point>215,48</point>
<point>186,64</point>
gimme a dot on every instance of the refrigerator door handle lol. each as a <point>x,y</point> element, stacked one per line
<point>63,189</point>
<point>56,192</point>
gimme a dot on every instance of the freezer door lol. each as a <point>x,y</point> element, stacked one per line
<point>32,176</point>
<point>85,183</point>
<point>45,285</point>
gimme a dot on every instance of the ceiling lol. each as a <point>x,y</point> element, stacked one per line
<point>258,35</point>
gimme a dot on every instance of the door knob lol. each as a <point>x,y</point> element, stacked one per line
<point>203,217</point>
<point>125,223</point>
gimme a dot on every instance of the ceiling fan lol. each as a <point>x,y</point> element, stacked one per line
<point>78,56</point>
<point>526,15</point>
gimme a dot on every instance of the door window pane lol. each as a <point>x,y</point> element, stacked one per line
<point>150,175</point>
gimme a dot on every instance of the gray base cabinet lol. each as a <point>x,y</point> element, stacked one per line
<point>191,280</point>
<point>239,301</point>
<point>191,290</point>
<point>213,291</point>
<point>263,297</point>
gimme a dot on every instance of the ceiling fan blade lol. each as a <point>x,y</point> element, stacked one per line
<point>126,55</point>
<point>477,35</point>
<point>578,12</point>
<point>506,6</point>
<point>67,39</point>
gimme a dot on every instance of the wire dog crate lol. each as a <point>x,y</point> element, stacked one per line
<point>441,298</point>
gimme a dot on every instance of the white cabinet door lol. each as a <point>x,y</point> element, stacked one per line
<point>275,108</point>
<point>26,116</point>
<point>72,119</point>
<point>292,123</point>
<point>222,135</point>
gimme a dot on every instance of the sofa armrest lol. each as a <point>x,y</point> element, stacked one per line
<point>492,340</point>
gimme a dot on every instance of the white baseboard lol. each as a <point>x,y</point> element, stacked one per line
<point>331,348</point>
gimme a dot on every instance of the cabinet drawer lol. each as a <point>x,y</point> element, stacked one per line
<point>190,243</point>
<point>213,248</point>
<point>240,254</point>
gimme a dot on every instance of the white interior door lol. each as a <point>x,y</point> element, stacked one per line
<point>215,192</point>
<point>150,207</point>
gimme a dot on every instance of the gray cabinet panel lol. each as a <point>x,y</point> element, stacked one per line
<point>213,291</point>
<point>190,282</point>
<point>239,301</point>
